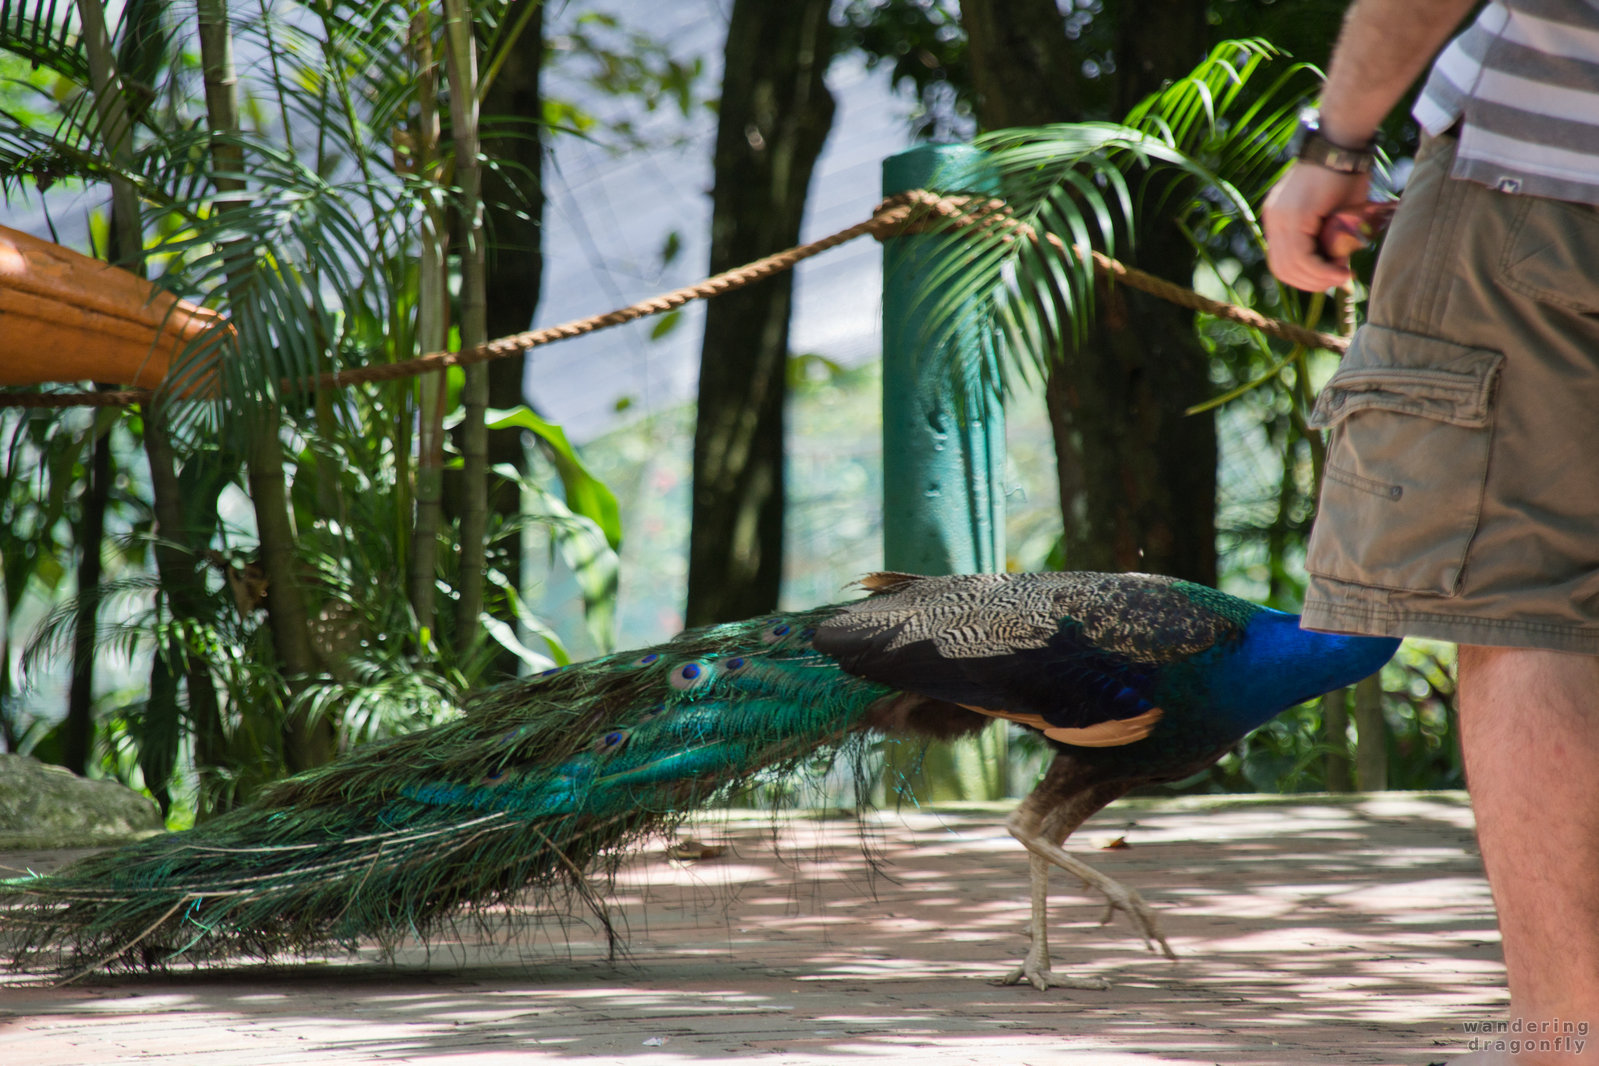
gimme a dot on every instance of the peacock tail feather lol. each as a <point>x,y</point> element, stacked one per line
<point>538,783</point>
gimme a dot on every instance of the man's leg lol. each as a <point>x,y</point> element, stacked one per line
<point>1529,724</point>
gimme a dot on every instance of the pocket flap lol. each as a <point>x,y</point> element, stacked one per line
<point>1391,370</point>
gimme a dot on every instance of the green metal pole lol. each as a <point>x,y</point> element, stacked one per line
<point>943,454</point>
<point>943,438</point>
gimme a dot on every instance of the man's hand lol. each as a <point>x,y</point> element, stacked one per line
<point>1294,214</point>
<point>1383,46</point>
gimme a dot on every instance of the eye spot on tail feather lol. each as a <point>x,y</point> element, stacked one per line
<point>691,676</point>
<point>611,741</point>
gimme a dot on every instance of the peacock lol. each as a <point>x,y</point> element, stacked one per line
<point>542,782</point>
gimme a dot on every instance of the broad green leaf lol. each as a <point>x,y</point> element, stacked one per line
<point>586,494</point>
<point>590,556</point>
<point>506,638</point>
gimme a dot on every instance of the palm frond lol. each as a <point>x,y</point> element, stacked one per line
<point>1199,155</point>
<point>53,636</point>
<point>45,33</point>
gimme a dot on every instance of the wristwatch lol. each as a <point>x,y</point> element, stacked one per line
<point>1309,146</point>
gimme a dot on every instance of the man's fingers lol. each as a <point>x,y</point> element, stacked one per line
<point>1297,261</point>
<point>1295,258</point>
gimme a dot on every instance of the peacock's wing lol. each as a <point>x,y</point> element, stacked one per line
<point>1077,655</point>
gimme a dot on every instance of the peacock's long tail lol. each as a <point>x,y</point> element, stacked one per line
<point>534,785</point>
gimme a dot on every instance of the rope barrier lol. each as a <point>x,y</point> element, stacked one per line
<point>895,213</point>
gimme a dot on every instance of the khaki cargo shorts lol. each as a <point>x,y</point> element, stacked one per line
<point>1461,496</point>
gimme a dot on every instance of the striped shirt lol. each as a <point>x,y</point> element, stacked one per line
<point>1523,81</point>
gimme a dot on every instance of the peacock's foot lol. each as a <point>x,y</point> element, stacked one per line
<point>1118,897</point>
<point>1036,972</point>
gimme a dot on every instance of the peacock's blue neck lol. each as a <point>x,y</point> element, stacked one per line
<point>1277,665</point>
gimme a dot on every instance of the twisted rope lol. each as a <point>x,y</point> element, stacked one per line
<point>996,214</point>
<point>891,215</point>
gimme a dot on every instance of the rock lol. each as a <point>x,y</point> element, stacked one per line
<point>44,806</point>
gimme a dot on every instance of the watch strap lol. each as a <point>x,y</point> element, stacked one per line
<point>1312,147</point>
<point>1323,153</point>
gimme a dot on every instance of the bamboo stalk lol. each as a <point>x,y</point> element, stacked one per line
<point>461,67</point>
<point>111,111</point>
<point>116,129</point>
<point>307,743</point>
<point>431,331</point>
<point>176,567</point>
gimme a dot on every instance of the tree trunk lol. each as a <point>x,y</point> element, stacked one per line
<point>1137,476</point>
<point>1371,736</point>
<point>1148,471</point>
<point>8,728</point>
<point>1335,734</point>
<point>176,559</point>
<point>432,327</point>
<point>513,203</point>
<point>78,741</point>
<point>175,556</point>
<point>1157,41</point>
<point>127,247</point>
<point>1024,70</point>
<point>775,116</point>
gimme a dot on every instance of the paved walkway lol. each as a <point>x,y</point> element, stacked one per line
<point>1311,930</point>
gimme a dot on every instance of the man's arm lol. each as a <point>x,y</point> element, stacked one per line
<point>1384,45</point>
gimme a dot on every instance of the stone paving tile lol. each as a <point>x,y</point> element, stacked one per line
<point>1310,929</point>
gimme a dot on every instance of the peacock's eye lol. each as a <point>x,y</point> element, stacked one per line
<point>734,664</point>
<point>611,741</point>
<point>776,631</point>
<point>645,660</point>
<point>552,671</point>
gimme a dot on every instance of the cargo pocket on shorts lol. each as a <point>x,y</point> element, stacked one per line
<point>1411,423</point>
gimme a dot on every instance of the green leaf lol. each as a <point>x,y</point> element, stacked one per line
<point>809,368</point>
<point>666,324</point>
<point>506,638</point>
<point>586,495</point>
<point>530,621</point>
<point>592,559</point>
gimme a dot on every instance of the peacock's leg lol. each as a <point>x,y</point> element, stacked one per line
<point>1061,802</point>
<point>1044,852</point>
<point>1035,967</point>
